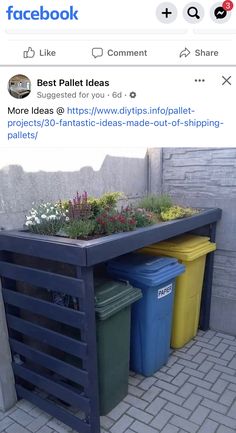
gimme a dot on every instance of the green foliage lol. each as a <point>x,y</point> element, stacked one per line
<point>80,228</point>
<point>156,203</point>
<point>143,217</point>
<point>113,221</point>
<point>107,201</point>
<point>177,212</point>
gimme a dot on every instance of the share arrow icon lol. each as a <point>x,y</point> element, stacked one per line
<point>185,53</point>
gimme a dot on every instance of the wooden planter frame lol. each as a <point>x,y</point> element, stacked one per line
<point>82,256</point>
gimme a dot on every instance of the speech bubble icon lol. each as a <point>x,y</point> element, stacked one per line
<point>97,52</point>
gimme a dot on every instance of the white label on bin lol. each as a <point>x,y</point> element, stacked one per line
<point>164,291</point>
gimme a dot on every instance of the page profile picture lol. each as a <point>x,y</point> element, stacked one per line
<point>19,86</point>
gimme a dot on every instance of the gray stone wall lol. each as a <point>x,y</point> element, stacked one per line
<point>19,189</point>
<point>206,177</point>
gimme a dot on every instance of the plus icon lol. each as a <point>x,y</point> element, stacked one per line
<point>166,12</point>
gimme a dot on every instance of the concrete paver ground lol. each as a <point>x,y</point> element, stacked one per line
<point>194,393</point>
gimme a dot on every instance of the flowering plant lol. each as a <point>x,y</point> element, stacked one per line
<point>46,218</point>
<point>109,222</point>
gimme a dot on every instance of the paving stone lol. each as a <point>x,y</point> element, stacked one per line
<point>199,415</point>
<point>170,429</point>
<point>209,352</point>
<point>136,402</point>
<point>215,340</point>
<point>209,334</point>
<point>228,355</point>
<point>206,366</point>
<point>151,394</point>
<point>140,415</point>
<point>214,406</point>
<point>5,422</point>
<point>178,410</point>
<point>194,373</point>
<point>212,376</point>
<point>186,390</point>
<point>38,422</point>
<point>223,429</point>
<point>222,419</point>
<point>180,379</point>
<point>120,426</point>
<point>221,347</point>
<point>172,359</point>
<point>208,426</point>
<point>16,428</point>
<point>224,369</point>
<point>227,336</point>
<point>200,382</point>
<point>45,429</point>
<point>229,378</point>
<point>163,376</point>
<point>183,356</point>
<point>167,386</point>
<point>200,357</point>
<point>192,402</point>
<point>194,350</point>
<point>146,383</point>
<point>208,394</point>
<point>232,387</point>
<point>219,386</point>
<point>161,419</point>
<point>22,417</point>
<point>175,369</point>
<point>227,397</point>
<point>134,381</point>
<point>118,411</point>
<point>139,427</point>
<point>172,397</point>
<point>232,411</point>
<point>232,364</point>
<point>216,360</point>
<point>106,422</point>
<point>156,406</point>
<point>184,424</point>
<point>189,364</point>
<point>134,390</point>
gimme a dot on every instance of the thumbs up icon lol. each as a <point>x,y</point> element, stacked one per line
<point>29,54</point>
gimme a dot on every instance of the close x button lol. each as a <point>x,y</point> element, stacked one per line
<point>226,80</point>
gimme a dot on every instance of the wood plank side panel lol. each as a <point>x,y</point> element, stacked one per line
<point>42,246</point>
<point>63,393</point>
<point>54,410</point>
<point>47,336</point>
<point>62,368</point>
<point>45,280</point>
<point>44,308</point>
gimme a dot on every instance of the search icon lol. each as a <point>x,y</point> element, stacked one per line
<point>193,12</point>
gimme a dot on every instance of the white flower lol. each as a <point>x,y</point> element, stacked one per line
<point>43,216</point>
<point>37,220</point>
<point>67,219</point>
<point>29,223</point>
<point>52,217</point>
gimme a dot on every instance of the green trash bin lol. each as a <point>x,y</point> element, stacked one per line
<point>112,305</point>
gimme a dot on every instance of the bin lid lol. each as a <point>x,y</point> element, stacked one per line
<point>112,296</point>
<point>145,270</point>
<point>186,247</point>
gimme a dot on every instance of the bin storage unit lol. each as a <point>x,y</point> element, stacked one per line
<point>151,315</point>
<point>81,256</point>
<point>191,250</point>
<point>112,305</point>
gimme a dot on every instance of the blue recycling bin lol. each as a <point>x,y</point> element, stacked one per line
<point>151,316</point>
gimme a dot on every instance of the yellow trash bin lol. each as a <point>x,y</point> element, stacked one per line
<point>191,250</point>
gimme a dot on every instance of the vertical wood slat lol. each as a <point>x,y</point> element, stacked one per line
<point>90,335</point>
